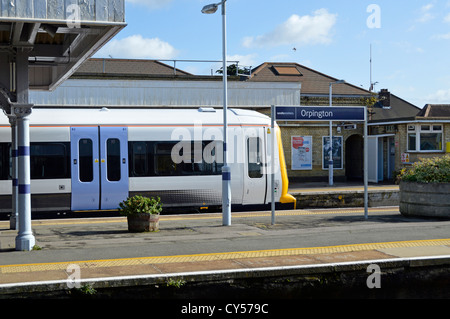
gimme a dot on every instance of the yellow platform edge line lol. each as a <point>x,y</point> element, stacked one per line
<point>219,256</point>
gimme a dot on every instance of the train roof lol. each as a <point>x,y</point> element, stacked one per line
<point>126,116</point>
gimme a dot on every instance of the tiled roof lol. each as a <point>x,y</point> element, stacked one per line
<point>398,109</point>
<point>435,110</point>
<point>128,67</point>
<point>313,82</point>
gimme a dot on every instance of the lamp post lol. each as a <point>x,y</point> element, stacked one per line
<point>226,172</point>
<point>330,162</point>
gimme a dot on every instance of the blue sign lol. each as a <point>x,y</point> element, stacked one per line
<point>320,113</point>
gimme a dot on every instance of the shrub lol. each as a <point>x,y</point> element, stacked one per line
<point>140,204</point>
<point>432,170</point>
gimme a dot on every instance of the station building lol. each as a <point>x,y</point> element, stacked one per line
<point>123,83</point>
<point>401,139</point>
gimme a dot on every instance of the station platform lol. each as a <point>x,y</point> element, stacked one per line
<point>348,194</point>
<point>100,252</point>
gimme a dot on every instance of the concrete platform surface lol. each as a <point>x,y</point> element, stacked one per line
<point>103,250</point>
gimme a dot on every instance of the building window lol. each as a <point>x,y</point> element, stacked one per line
<point>425,138</point>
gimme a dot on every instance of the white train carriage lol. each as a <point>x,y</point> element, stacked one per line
<point>92,159</point>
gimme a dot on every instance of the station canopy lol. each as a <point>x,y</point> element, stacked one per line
<point>59,34</point>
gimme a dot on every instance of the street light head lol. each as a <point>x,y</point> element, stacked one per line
<point>210,8</point>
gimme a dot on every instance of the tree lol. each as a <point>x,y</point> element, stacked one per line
<point>231,70</point>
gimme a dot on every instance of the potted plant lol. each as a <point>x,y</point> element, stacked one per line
<point>142,213</point>
<point>425,188</point>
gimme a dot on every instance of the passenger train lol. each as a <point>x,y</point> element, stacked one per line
<point>92,159</point>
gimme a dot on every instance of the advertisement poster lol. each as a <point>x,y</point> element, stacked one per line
<point>337,152</point>
<point>301,150</point>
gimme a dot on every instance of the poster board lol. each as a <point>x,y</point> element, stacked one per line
<point>337,152</point>
<point>301,153</point>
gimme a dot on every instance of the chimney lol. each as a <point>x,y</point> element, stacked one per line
<point>385,98</point>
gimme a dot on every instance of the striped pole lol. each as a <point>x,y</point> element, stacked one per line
<point>22,109</point>
<point>14,220</point>
<point>25,239</point>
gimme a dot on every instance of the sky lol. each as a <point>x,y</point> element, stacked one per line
<point>408,42</point>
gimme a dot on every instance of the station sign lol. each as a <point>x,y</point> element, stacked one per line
<point>320,113</point>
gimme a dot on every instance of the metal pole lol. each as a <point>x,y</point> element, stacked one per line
<point>272,164</point>
<point>25,239</point>
<point>366,168</point>
<point>14,219</point>
<point>226,172</point>
<point>330,162</point>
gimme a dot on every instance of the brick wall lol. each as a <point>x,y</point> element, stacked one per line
<point>401,144</point>
<point>317,131</point>
<point>416,156</point>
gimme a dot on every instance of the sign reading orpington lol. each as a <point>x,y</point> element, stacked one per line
<point>320,113</point>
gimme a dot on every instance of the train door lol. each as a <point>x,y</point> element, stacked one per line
<point>114,166</point>
<point>255,179</point>
<point>99,167</point>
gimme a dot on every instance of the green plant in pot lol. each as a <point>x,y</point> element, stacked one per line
<point>142,213</point>
<point>431,170</point>
<point>425,188</point>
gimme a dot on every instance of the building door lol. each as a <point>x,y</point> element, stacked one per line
<point>376,157</point>
<point>380,170</point>
<point>372,159</point>
<point>354,157</point>
<point>391,161</point>
<point>99,167</point>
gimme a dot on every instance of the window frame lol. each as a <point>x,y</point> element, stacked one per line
<point>155,159</point>
<point>46,158</point>
<point>424,128</point>
<point>254,168</point>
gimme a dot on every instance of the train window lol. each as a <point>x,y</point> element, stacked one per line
<point>5,150</point>
<point>164,165</point>
<point>254,160</point>
<point>139,159</point>
<point>49,160</point>
<point>212,155</point>
<point>155,158</point>
<point>86,160</point>
<point>113,159</point>
<point>200,160</point>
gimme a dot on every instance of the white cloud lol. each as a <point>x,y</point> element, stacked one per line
<point>408,47</point>
<point>297,30</point>
<point>244,60</point>
<point>440,96</point>
<point>442,36</point>
<point>425,13</point>
<point>447,18</point>
<point>151,4</point>
<point>138,47</point>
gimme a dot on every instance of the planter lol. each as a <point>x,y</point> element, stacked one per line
<point>143,222</point>
<point>425,200</point>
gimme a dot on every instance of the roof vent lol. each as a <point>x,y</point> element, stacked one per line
<point>206,109</point>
